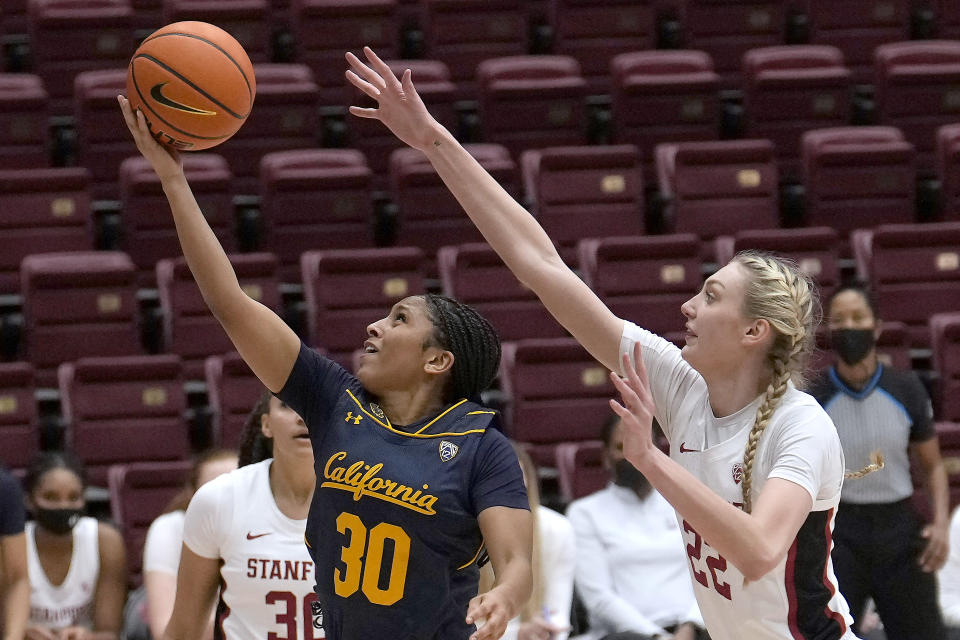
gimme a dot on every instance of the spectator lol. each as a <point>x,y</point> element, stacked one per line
<point>14,583</point>
<point>881,549</point>
<point>77,565</point>
<point>949,578</point>
<point>631,564</point>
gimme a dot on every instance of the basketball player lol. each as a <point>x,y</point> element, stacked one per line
<point>755,467</point>
<point>413,484</point>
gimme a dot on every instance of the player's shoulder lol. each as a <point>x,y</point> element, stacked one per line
<point>238,481</point>
<point>800,410</point>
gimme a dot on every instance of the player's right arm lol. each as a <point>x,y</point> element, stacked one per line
<point>197,582</point>
<point>264,341</point>
<point>512,232</point>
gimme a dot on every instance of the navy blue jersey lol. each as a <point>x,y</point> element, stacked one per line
<point>393,524</point>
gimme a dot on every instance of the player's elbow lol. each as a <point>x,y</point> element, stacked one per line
<point>760,561</point>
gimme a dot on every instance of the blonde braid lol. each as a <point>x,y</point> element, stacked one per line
<point>771,399</point>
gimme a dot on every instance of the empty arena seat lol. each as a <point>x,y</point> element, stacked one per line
<point>18,415</point>
<point>644,279</point>
<point>789,89</point>
<point>142,421</point>
<point>149,234</point>
<point>24,120</point>
<point>529,102</point>
<point>324,29</point>
<point>346,290</point>
<point>948,170</point>
<point>13,17</point>
<point>474,274</point>
<point>945,343</point>
<point>147,16</point>
<point>917,90</point>
<point>718,188</point>
<point>77,304</point>
<point>139,492</point>
<point>663,96</point>
<point>858,177</point>
<point>103,141</point>
<point>558,393</point>
<point>189,329</point>
<point>71,36</point>
<point>42,211</point>
<point>233,391</point>
<point>246,20</point>
<point>583,192</point>
<point>580,469</point>
<point>913,271</point>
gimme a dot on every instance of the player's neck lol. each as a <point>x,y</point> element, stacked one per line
<point>733,390</point>
<point>405,407</point>
<point>292,485</point>
<point>856,376</point>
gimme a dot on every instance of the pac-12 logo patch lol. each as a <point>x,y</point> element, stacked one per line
<point>448,450</point>
<point>737,472</point>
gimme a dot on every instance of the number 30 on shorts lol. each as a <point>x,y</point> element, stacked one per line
<point>363,557</point>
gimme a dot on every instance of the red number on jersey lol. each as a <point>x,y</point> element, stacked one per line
<point>716,564</point>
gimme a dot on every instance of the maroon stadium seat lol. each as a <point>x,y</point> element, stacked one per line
<point>148,231</point>
<point>13,17</point>
<point>858,177</point>
<point>580,469</point>
<point>139,492</point>
<point>428,215</point>
<point>77,304</point>
<point>557,391</point>
<point>285,117</point>
<point>126,409</point>
<point>585,192</point>
<point>917,90</point>
<point>24,115</point>
<point>18,415</point>
<point>103,141</point>
<point>948,170</point>
<point>233,391</point>
<point>42,211</point>
<point>189,329</point>
<point>246,20</point>
<point>314,199</point>
<point>718,188</point>
<point>346,290</point>
<point>324,29</point>
<point>644,279</point>
<point>463,33</point>
<point>789,89</point>
<point>945,341</point>
<point>475,274</point>
<point>663,96</point>
<point>147,16</point>
<point>530,102</point>
<point>70,36</point>
<point>913,270</point>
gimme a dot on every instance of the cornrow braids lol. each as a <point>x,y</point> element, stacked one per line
<point>472,340</point>
<point>254,446</point>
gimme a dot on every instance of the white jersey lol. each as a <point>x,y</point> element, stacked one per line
<point>70,603</point>
<point>799,597</point>
<point>266,576</point>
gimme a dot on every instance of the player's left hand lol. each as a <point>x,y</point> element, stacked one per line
<point>636,412</point>
<point>74,633</point>
<point>934,555</point>
<point>493,610</point>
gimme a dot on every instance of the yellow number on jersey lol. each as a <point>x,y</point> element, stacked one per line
<point>347,582</point>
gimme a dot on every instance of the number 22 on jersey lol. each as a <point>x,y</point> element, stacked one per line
<point>363,556</point>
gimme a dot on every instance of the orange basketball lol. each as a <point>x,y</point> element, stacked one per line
<point>194,83</point>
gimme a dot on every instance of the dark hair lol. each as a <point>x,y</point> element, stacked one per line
<point>472,340</point>
<point>48,461</point>
<point>606,431</point>
<point>254,446</point>
<point>857,286</point>
<point>182,499</point>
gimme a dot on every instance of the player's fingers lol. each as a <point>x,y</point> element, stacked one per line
<point>630,398</point>
<point>364,112</point>
<point>639,365</point>
<point>381,67</point>
<point>406,83</point>
<point>494,626</point>
<point>637,382</point>
<point>472,609</point>
<point>362,84</point>
<point>365,72</point>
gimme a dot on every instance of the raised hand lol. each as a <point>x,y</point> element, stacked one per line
<point>164,160</point>
<point>636,412</point>
<point>399,106</point>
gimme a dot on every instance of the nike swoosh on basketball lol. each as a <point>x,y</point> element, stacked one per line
<point>683,448</point>
<point>250,536</point>
<point>156,92</point>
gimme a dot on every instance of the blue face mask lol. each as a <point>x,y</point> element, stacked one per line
<point>852,345</point>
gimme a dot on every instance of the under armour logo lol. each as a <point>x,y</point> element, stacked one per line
<point>356,419</point>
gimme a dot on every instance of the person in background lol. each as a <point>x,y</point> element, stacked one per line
<point>161,550</point>
<point>949,582</point>
<point>77,565</point>
<point>882,550</point>
<point>631,560</point>
<point>14,582</point>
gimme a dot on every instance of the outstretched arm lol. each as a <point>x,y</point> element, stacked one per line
<point>512,232</point>
<point>264,341</point>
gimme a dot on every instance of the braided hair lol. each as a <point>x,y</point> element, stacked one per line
<point>472,340</point>
<point>254,446</point>
<point>777,291</point>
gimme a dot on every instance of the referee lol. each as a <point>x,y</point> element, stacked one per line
<point>882,550</point>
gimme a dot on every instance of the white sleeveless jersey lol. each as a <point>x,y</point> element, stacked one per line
<point>70,603</point>
<point>267,576</point>
<point>799,597</point>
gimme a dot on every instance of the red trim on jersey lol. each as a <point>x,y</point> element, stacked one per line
<point>828,538</point>
<point>789,584</point>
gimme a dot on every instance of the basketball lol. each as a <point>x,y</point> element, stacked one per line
<point>194,84</point>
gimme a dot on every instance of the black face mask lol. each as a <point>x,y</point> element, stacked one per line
<point>626,475</point>
<point>852,345</point>
<point>57,521</point>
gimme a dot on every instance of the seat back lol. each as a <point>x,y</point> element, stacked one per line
<point>19,430</point>
<point>858,27</point>
<point>948,170</point>
<point>945,341</point>
<point>580,469</point>
<point>102,142</point>
<point>24,120</point>
<point>233,391</point>
<point>246,20</point>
